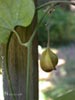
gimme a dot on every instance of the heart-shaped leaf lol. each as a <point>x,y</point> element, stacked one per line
<point>14,13</point>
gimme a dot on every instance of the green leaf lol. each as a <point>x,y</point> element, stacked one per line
<point>14,13</point>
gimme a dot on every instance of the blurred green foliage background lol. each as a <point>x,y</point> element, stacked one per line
<point>62,27</point>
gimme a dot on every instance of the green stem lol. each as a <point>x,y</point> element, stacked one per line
<point>28,72</point>
<point>7,69</point>
<point>48,37</point>
<point>19,40</point>
<point>56,1</point>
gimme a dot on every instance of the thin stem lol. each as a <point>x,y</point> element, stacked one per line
<point>19,40</point>
<point>28,71</point>
<point>48,35</point>
<point>7,69</point>
<point>48,43</point>
<point>56,1</point>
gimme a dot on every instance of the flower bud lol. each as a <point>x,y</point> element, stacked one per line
<point>48,60</point>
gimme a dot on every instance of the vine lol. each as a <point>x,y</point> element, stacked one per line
<point>29,45</point>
